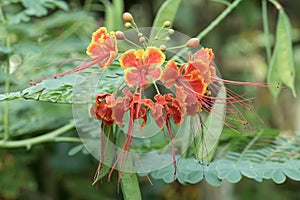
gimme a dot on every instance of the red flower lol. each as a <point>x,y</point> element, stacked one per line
<point>141,65</point>
<point>165,108</point>
<point>102,110</point>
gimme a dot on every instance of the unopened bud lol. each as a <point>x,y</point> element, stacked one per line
<point>163,47</point>
<point>193,43</point>
<point>167,39</point>
<point>171,31</point>
<point>127,25</point>
<point>167,24</point>
<point>140,34</point>
<point>142,40</point>
<point>127,17</point>
<point>119,35</point>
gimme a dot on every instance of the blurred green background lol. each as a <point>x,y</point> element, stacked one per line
<point>54,31</point>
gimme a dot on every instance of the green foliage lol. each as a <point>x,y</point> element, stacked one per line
<point>262,158</point>
<point>166,12</point>
<point>36,32</point>
<point>13,180</point>
<point>113,14</point>
<point>282,68</point>
<point>130,186</point>
<point>61,90</point>
<point>37,8</point>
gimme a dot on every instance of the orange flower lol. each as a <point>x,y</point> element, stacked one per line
<point>104,47</point>
<point>141,65</point>
<point>165,108</point>
<point>189,84</point>
<point>202,61</point>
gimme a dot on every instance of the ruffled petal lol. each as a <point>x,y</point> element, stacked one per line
<point>154,56</point>
<point>103,47</point>
<point>128,59</point>
<point>154,73</point>
<point>132,76</point>
<point>100,35</point>
<point>170,74</point>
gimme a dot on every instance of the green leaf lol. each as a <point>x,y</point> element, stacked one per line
<point>166,12</point>
<point>113,14</point>
<point>228,170</point>
<point>292,173</point>
<point>130,186</point>
<point>102,171</point>
<point>20,17</point>
<point>59,4</point>
<point>5,50</point>
<point>211,176</point>
<point>282,69</point>
<point>207,143</point>
<point>278,176</point>
<point>75,150</point>
<point>52,84</point>
<point>118,12</point>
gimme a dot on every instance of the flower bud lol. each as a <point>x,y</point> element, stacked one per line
<point>119,35</point>
<point>127,25</point>
<point>127,17</point>
<point>140,34</point>
<point>171,31</point>
<point>142,40</point>
<point>167,39</point>
<point>193,43</point>
<point>163,47</point>
<point>167,24</point>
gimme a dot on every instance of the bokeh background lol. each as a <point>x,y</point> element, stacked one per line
<point>50,171</point>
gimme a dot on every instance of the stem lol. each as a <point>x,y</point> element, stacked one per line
<point>266,29</point>
<point>213,24</point>
<point>130,186</point>
<point>276,4</point>
<point>48,137</point>
<point>220,18</point>
<point>6,87</point>
<point>67,139</point>
<point>156,88</point>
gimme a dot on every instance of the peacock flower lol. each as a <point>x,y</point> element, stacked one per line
<point>165,108</point>
<point>103,50</point>
<point>142,66</point>
<point>185,88</point>
<point>202,61</point>
<point>189,84</point>
<point>102,110</point>
<point>103,47</point>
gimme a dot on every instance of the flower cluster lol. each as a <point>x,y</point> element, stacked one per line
<point>144,68</point>
<point>180,89</point>
<point>156,86</point>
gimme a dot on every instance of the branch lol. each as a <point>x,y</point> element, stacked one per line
<point>48,137</point>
